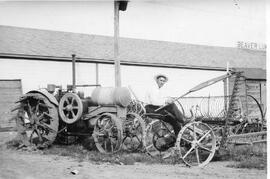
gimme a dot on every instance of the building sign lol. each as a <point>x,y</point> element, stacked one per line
<point>251,45</point>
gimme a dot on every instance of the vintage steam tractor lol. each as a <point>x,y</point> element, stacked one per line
<point>45,115</point>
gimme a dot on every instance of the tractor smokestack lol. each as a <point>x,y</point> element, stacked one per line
<point>73,72</point>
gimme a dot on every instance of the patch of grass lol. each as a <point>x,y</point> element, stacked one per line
<point>251,162</point>
<point>127,160</point>
<point>142,158</point>
<point>13,144</point>
<point>79,153</point>
<point>245,156</point>
<point>66,150</point>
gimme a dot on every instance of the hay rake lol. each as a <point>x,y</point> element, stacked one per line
<point>209,122</point>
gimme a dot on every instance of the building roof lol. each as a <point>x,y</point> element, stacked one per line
<point>17,41</point>
<point>253,73</point>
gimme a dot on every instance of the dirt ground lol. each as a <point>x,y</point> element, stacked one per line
<point>33,165</point>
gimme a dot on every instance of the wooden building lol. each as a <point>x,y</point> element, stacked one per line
<point>32,58</point>
<point>252,91</point>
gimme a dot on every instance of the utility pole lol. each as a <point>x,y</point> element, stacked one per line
<point>122,6</point>
<point>116,47</point>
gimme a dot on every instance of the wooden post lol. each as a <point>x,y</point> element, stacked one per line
<point>116,47</point>
<point>73,72</point>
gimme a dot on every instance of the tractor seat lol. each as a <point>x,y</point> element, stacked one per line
<point>154,115</point>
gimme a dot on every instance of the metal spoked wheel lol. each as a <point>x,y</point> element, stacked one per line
<point>108,133</point>
<point>134,133</point>
<point>255,117</point>
<point>196,143</point>
<point>159,138</point>
<point>37,122</point>
<point>70,108</point>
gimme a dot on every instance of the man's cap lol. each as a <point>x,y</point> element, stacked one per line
<point>161,75</point>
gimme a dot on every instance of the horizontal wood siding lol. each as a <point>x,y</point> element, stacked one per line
<point>254,88</point>
<point>10,91</point>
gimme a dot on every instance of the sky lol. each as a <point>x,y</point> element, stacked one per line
<point>208,22</point>
<point>204,22</point>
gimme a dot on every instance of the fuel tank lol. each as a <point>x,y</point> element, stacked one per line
<point>111,96</point>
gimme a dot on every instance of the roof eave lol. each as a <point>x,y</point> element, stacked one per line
<point>106,61</point>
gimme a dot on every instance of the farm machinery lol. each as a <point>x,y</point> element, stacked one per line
<point>54,113</point>
<point>209,122</point>
<point>115,121</point>
<point>44,117</point>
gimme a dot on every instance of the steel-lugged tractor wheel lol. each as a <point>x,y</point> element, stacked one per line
<point>134,133</point>
<point>196,143</point>
<point>38,120</point>
<point>70,108</point>
<point>108,133</point>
